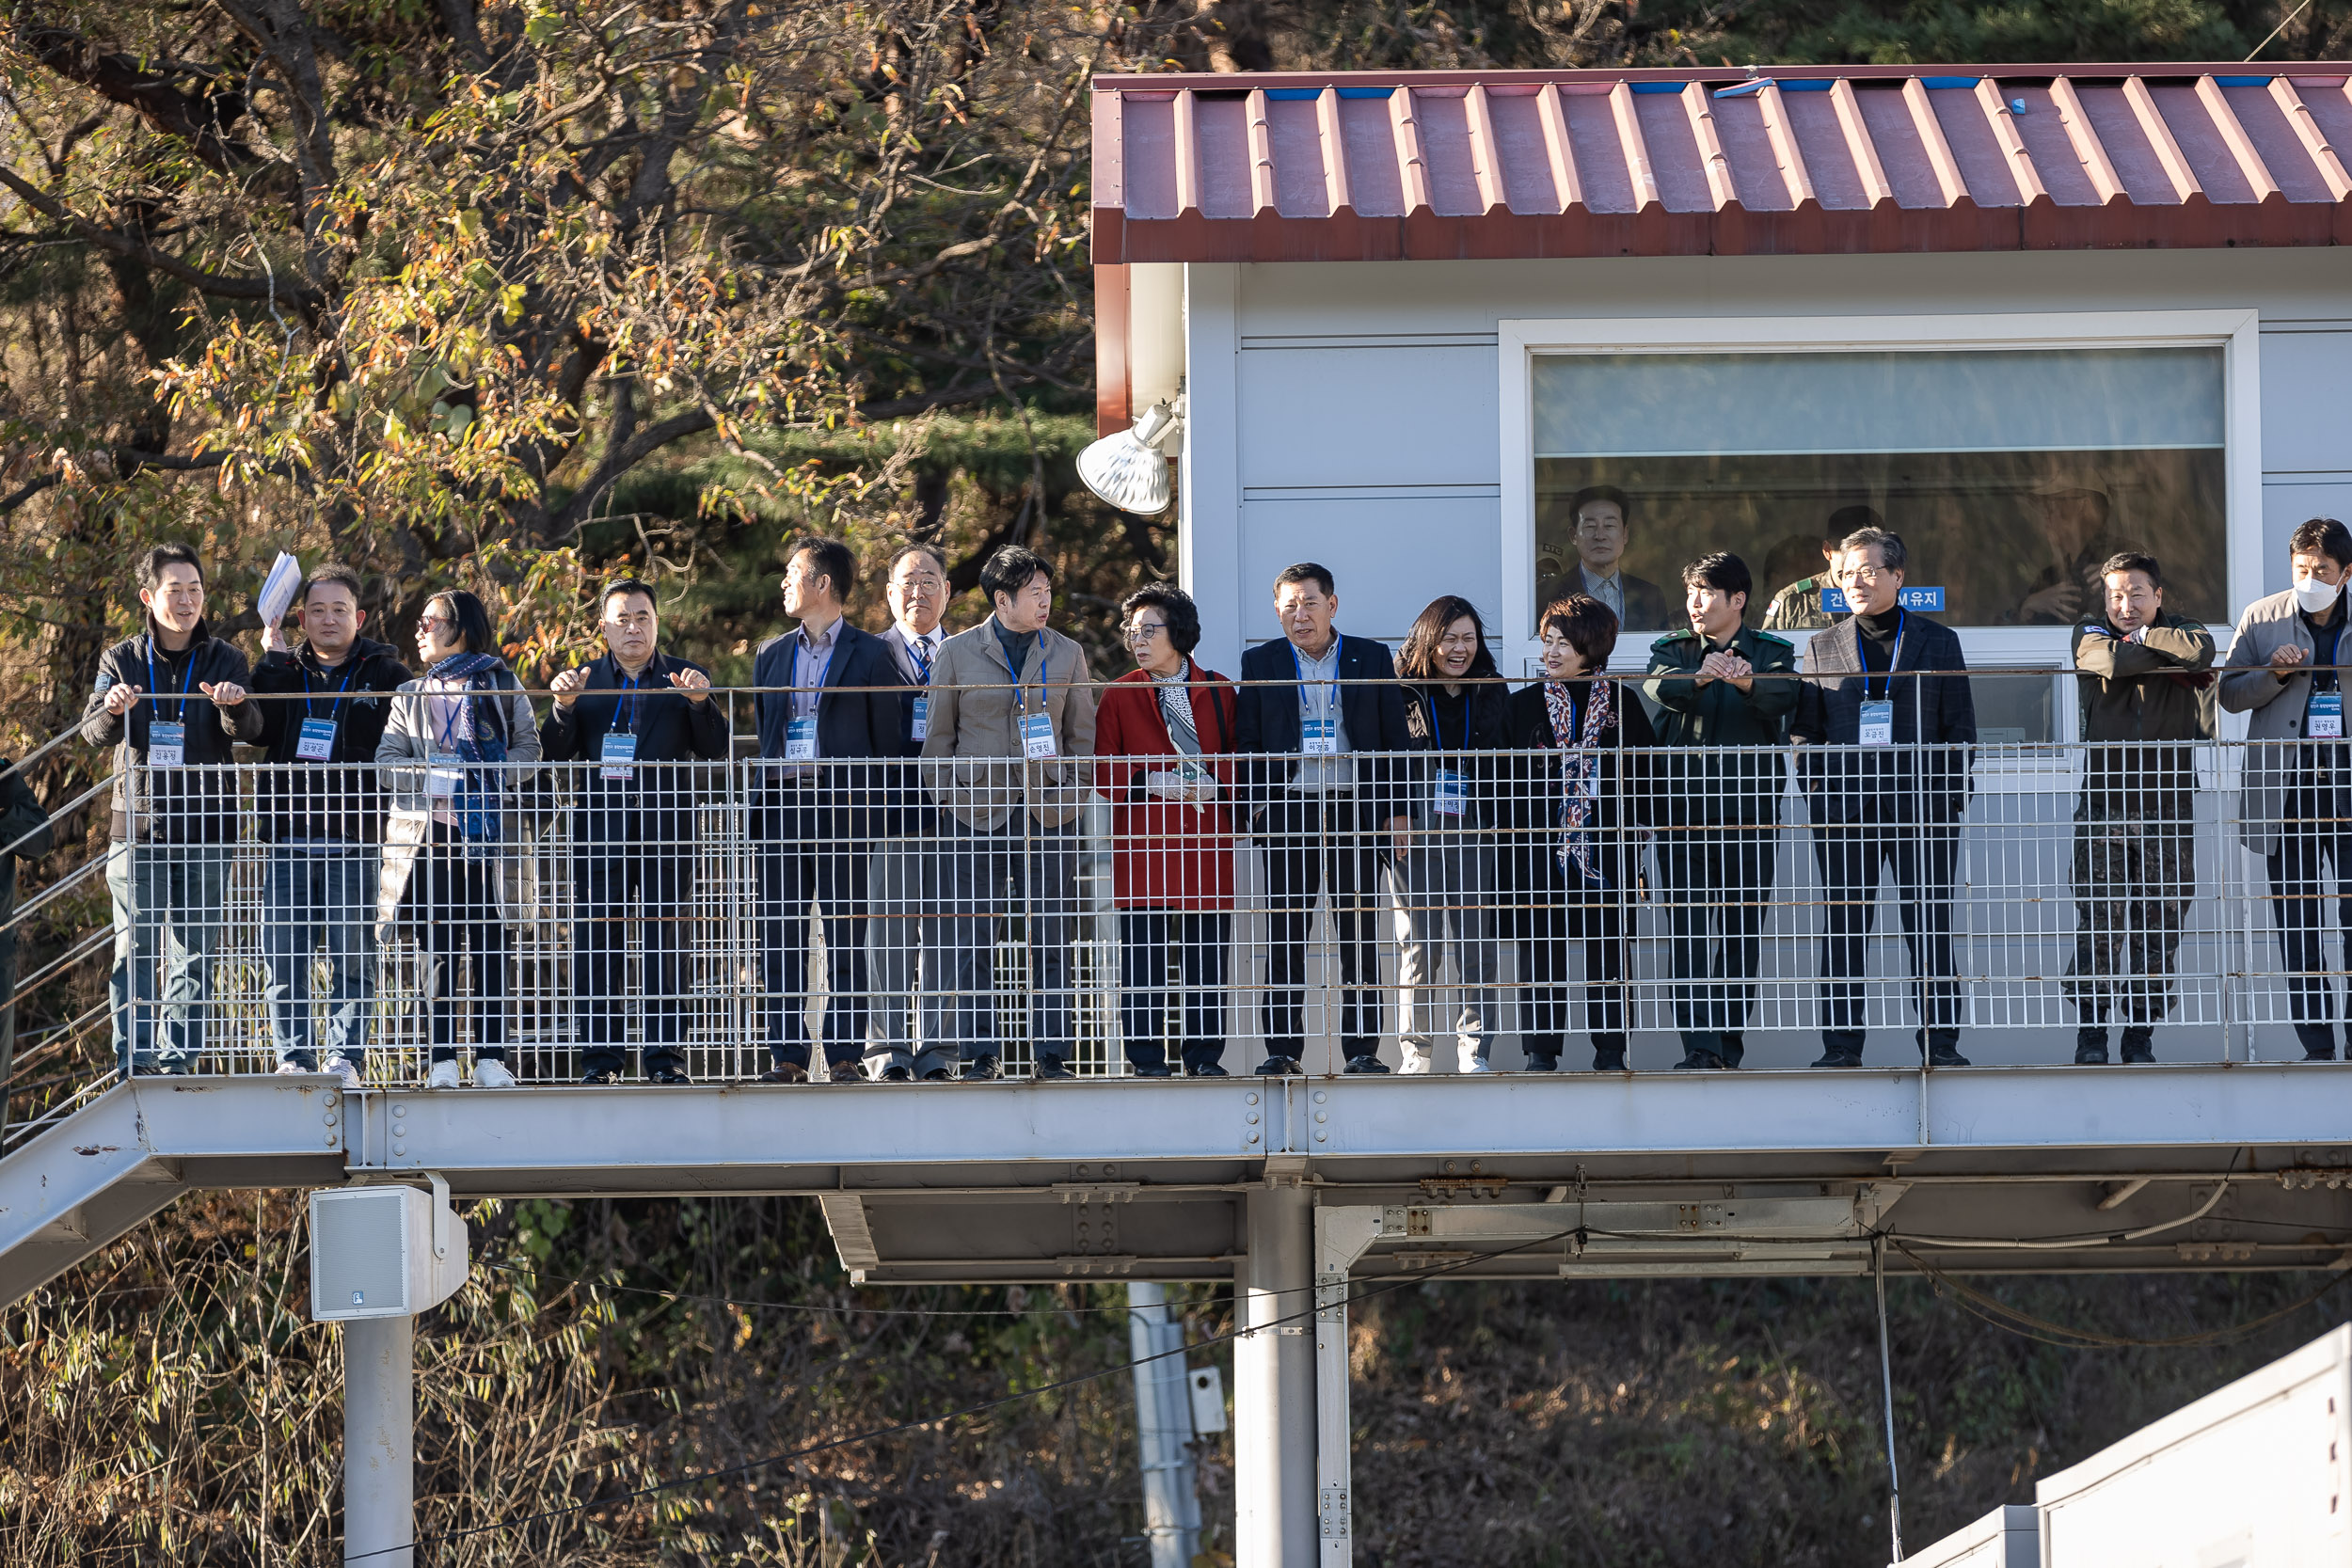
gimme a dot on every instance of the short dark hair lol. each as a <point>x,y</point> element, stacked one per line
<point>832,559</point>
<point>1589,626</point>
<point>622,588</point>
<point>1418,659</point>
<point>1012,569</point>
<point>1854,519</point>
<point>1307,571</point>
<point>1723,571</point>
<point>1889,543</point>
<point>1592,493</point>
<point>152,564</point>
<point>472,621</point>
<point>2132,560</point>
<point>2322,536</point>
<point>334,572</point>
<point>917,548</point>
<point>1184,616</point>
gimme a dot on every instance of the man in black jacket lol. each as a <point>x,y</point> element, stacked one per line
<point>639,720</point>
<point>1324,814</point>
<point>1894,790</point>
<point>170,701</point>
<point>832,723</point>
<point>322,809</point>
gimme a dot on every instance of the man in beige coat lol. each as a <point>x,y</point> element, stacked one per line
<point>2283,670</point>
<point>1011,720</point>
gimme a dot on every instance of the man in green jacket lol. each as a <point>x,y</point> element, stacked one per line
<point>1718,686</point>
<point>24,836</point>
<point>2142,675</point>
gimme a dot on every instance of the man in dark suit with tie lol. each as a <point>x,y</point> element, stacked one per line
<point>1894,790</point>
<point>1326,805</point>
<point>833,728</point>
<point>905,1037</point>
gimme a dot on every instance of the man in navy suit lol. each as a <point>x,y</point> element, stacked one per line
<point>1326,805</point>
<point>1893,790</point>
<point>832,723</point>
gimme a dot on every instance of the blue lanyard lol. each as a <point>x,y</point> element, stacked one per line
<point>2333,680</point>
<point>186,678</point>
<point>335,696</point>
<point>1020,687</point>
<point>460,714</point>
<point>1331,688</point>
<point>629,704</point>
<point>1894,660</point>
<point>1437,730</point>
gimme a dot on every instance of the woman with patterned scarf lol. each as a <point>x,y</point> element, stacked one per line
<point>448,757</point>
<point>1569,867</point>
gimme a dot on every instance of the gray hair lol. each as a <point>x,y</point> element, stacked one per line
<point>1889,543</point>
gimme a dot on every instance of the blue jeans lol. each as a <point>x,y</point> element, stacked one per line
<point>168,906</point>
<point>320,900</point>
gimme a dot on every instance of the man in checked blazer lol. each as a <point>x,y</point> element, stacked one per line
<point>1893,790</point>
<point>1326,806</point>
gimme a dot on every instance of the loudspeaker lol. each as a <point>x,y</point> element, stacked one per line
<point>382,1252</point>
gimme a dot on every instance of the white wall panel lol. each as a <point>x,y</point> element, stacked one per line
<point>1316,417</point>
<point>2291,500</point>
<point>1392,552</point>
<point>2307,398</point>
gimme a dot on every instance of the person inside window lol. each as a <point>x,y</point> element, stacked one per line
<point>2068,590</point>
<point>1603,521</point>
<point>1797,607</point>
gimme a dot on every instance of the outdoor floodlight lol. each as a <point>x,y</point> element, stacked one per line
<point>1128,469</point>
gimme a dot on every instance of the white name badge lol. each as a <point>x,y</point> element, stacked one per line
<point>1451,795</point>
<point>1037,736</point>
<point>1319,737</point>
<point>799,740</point>
<point>445,776</point>
<point>2327,715</point>
<point>166,745</point>
<point>618,759</point>
<point>317,741</point>
<point>1878,724</point>
<point>922,727</point>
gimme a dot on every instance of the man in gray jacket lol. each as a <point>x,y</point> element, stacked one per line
<point>2283,670</point>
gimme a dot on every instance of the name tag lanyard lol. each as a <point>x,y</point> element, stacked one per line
<point>2324,711</point>
<point>921,724</point>
<point>1320,726</point>
<point>1447,780</point>
<point>1035,730</point>
<point>167,742</point>
<point>1878,713</point>
<point>617,756</point>
<point>187,681</point>
<point>315,740</point>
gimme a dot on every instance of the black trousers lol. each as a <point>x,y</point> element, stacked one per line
<point>806,854</point>
<point>1173,982</point>
<point>1853,856</point>
<point>1548,908</point>
<point>637,872</point>
<point>1717,874</point>
<point>455,909</point>
<point>1315,843</point>
<point>2315,831</point>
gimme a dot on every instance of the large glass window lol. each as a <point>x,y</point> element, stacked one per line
<point>2009,473</point>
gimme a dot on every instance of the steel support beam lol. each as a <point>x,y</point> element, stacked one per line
<point>379,1442</point>
<point>1275,1504</point>
<point>1172,1503</point>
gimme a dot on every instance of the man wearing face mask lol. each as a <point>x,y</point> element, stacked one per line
<point>2282,671</point>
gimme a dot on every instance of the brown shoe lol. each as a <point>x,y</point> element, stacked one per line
<point>784,1072</point>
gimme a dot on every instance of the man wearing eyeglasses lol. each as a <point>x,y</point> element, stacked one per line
<point>901,929</point>
<point>629,726</point>
<point>170,701</point>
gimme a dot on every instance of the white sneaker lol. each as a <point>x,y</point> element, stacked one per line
<point>491,1075</point>
<point>1416,1060</point>
<point>293,1069</point>
<point>340,1065</point>
<point>443,1076</point>
<point>1470,1061</point>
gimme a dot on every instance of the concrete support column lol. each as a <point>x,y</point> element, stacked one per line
<point>379,1442</point>
<point>1171,1501</point>
<point>1274,1386</point>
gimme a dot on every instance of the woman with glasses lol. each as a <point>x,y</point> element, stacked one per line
<point>448,758</point>
<point>1569,867</point>
<point>1164,742</point>
<point>1444,887</point>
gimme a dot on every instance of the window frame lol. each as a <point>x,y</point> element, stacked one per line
<point>2236,332</point>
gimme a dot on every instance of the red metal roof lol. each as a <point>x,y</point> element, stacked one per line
<point>1441,165</point>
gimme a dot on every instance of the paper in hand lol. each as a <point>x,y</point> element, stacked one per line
<point>278,592</point>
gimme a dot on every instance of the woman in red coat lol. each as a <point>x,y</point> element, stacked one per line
<point>1163,744</point>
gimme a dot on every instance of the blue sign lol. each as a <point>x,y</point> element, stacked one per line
<point>1926,600</point>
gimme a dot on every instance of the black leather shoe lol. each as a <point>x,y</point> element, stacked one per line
<point>2090,1054</point>
<point>1538,1063</point>
<point>669,1076</point>
<point>1365,1067</point>
<point>1704,1060</point>
<point>1949,1055</point>
<point>1606,1059</point>
<point>982,1069</point>
<point>899,1075</point>
<point>603,1075</point>
<point>1831,1056</point>
<point>1050,1070</point>
<point>2326,1055</point>
<point>784,1072</point>
<point>1150,1072</point>
<point>1206,1069</point>
<point>1734,1048</point>
<point>2139,1049</point>
<point>936,1075</point>
<point>1278,1067</point>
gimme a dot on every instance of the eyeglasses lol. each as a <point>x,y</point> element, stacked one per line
<point>1860,573</point>
<point>1143,631</point>
<point>921,585</point>
<point>426,623</point>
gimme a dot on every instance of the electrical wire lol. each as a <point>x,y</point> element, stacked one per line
<point>1416,1277</point>
<point>2016,1320</point>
